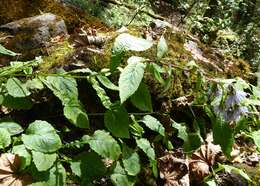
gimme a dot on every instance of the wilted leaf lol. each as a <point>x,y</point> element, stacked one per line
<point>174,169</point>
<point>9,166</point>
<point>202,159</point>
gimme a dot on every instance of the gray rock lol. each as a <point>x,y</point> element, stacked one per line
<point>31,34</point>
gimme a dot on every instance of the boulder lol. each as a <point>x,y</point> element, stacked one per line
<point>29,35</point>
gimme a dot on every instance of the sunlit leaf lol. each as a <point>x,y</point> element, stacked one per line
<point>131,161</point>
<point>12,127</point>
<point>153,124</point>
<point>15,88</point>
<point>162,48</point>
<point>5,138</point>
<point>41,136</point>
<point>130,79</point>
<point>43,161</point>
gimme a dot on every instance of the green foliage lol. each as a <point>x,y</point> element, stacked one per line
<point>130,78</point>
<point>42,137</point>
<point>114,142</point>
<point>5,51</point>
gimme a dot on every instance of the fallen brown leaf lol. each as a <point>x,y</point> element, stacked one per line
<point>9,176</point>
<point>173,170</point>
<point>202,160</point>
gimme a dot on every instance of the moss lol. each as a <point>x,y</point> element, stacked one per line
<point>57,56</point>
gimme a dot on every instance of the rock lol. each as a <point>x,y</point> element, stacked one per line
<point>28,35</point>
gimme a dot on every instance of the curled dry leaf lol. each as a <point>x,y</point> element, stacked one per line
<point>9,166</point>
<point>173,170</point>
<point>202,160</point>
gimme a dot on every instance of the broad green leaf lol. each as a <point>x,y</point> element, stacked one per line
<point>231,169</point>
<point>136,59</point>
<point>43,161</point>
<point>16,103</point>
<point>142,98</point>
<point>76,115</point>
<point>130,79</point>
<point>56,176</point>
<point>191,140</point>
<point>101,93</point>
<point>104,145</point>
<point>153,124</point>
<point>12,127</point>
<point>64,88</point>
<point>156,71</point>
<point>224,136</point>
<point>120,177</point>
<point>145,145</point>
<point>162,48</point>
<point>131,161</point>
<point>107,83</point>
<point>34,84</point>
<point>125,42</point>
<point>24,155</point>
<point>5,138</point>
<point>117,122</point>
<point>211,183</point>
<point>15,88</point>
<point>88,166</point>
<point>5,51</point>
<point>256,137</point>
<point>41,136</point>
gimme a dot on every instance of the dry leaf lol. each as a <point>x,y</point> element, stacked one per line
<point>202,160</point>
<point>9,166</point>
<point>173,170</point>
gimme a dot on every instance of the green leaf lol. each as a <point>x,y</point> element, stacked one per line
<point>43,161</point>
<point>105,145</point>
<point>105,100</point>
<point>153,124</point>
<point>16,103</point>
<point>231,169</point>
<point>117,122</point>
<point>162,48</point>
<point>125,42</point>
<point>54,176</point>
<point>256,137</point>
<point>76,115</point>
<point>145,145</point>
<point>34,84</point>
<point>131,161</point>
<point>224,136</point>
<point>120,178</point>
<point>130,79</point>
<point>191,140</point>
<point>142,98</point>
<point>5,51</point>
<point>107,83</point>
<point>15,88</point>
<point>88,166</point>
<point>66,90</point>
<point>12,127</point>
<point>25,156</point>
<point>5,138</point>
<point>42,137</point>
<point>156,71</point>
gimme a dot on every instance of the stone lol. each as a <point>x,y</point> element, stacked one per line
<point>28,35</point>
